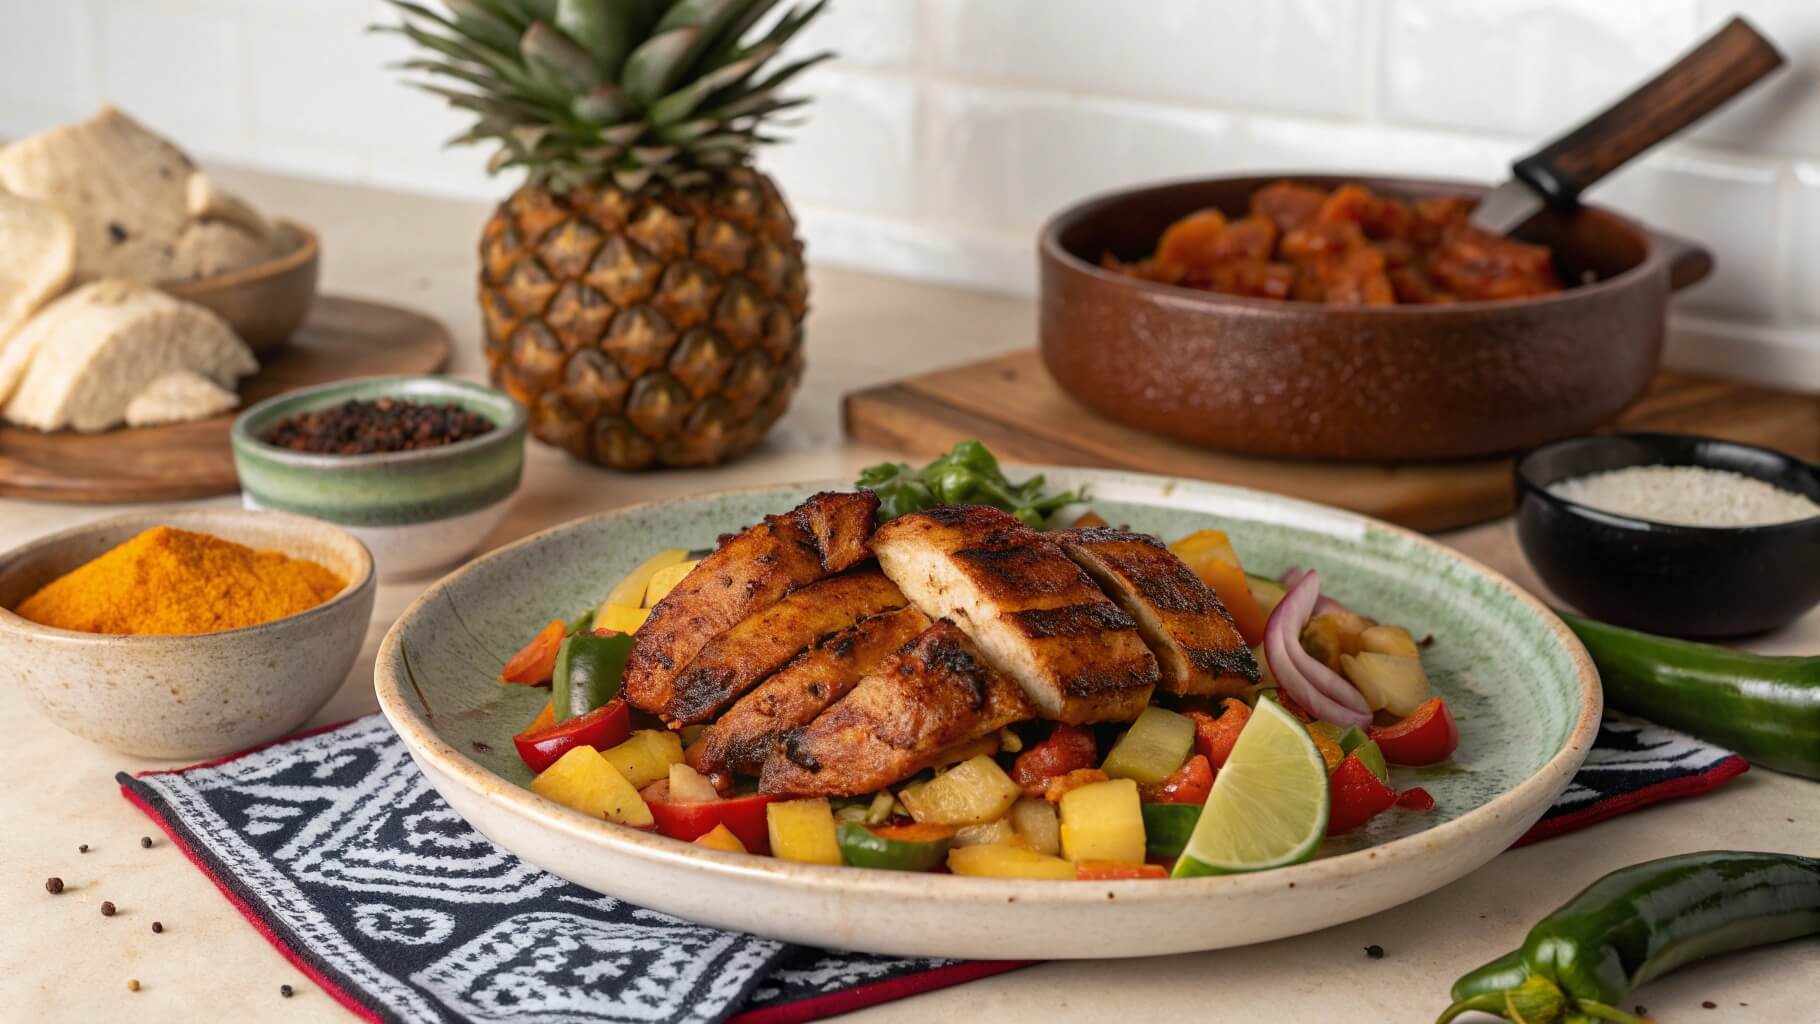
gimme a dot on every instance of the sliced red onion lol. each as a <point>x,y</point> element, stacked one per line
<point>1323,604</point>
<point>1322,691</point>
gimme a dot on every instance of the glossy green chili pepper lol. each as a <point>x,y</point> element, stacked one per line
<point>1639,923</point>
<point>967,475</point>
<point>1766,708</point>
<point>589,668</point>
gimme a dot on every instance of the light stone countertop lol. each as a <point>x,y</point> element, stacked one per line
<point>61,961</point>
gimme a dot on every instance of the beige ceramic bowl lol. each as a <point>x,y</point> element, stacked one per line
<point>188,696</point>
<point>266,302</point>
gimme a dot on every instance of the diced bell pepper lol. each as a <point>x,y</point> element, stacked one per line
<point>903,848</point>
<point>542,745</point>
<point>535,662</point>
<point>1007,862</point>
<point>1153,748</point>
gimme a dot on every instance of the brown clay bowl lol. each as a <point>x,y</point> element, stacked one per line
<point>1304,380</point>
<point>267,302</point>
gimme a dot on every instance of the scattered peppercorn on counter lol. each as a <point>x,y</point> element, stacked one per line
<point>1193,786</point>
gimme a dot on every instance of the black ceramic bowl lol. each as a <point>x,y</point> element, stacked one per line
<point>1688,581</point>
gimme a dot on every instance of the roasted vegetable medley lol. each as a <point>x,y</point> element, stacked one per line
<point>985,698</point>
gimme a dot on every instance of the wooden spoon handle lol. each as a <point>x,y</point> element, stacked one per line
<point>1727,63</point>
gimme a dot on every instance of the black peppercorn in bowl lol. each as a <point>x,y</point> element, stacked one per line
<point>1696,581</point>
<point>420,468</point>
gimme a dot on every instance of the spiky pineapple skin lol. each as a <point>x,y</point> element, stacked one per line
<point>658,328</point>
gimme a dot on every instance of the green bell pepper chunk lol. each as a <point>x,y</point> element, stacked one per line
<point>582,623</point>
<point>861,847</point>
<point>589,670</point>
<point>1167,828</point>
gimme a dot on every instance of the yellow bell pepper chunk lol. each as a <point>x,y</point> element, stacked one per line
<point>1007,862</point>
<point>1103,821</point>
<point>620,619</point>
<point>665,579</point>
<point>584,780</point>
<point>803,831</point>
<point>721,838</point>
<point>630,592</point>
<point>646,756</point>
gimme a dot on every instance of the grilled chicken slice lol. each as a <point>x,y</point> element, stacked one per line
<point>934,693</point>
<point>739,658</point>
<point>1193,637</point>
<point>750,572</point>
<point>1032,611</point>
<point>742,738</point>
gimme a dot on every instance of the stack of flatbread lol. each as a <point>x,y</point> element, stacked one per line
<point>93,216</point>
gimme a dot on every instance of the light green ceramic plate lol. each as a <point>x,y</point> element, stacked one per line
<point>1525,694</point>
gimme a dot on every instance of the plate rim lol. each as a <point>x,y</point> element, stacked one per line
<point>422,741</point>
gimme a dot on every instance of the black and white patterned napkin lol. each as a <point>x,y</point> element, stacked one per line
<point>337,850</point>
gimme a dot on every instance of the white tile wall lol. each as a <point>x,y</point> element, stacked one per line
<point>948,129</point>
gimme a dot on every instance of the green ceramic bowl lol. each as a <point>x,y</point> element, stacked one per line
<point>1521,686</point>
<point>419,511</point>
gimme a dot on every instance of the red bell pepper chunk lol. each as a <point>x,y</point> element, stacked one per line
<point>1214,737</point>
<point>605,726</point>
<point>1426,735</point>
<point>1112,871</point>
<point>1416,798</point>
<point>744,816</point>
<point>1355,796</point>
<point>1069,748</point>
<point>1190,784</point>
<point>535,662</point>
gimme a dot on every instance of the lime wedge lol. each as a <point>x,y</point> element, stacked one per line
<point>1268,807</point>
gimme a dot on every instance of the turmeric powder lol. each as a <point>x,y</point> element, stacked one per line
<point>169,581</point>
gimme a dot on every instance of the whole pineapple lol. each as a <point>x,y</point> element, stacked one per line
<point>643,291</point>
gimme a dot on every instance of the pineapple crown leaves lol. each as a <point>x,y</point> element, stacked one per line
<point>627,91</point>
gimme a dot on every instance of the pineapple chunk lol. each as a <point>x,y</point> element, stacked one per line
<point>1007,862</point>
<point>688,786</point>
<point>630,591</point>
<point>1390,640</point>
<point>646,757</point>
<point>586,781</point>
<point>973,792</point>
<point>721,838</point>
<point>665,579</point>
<point>999,832</point>
<point>1388,682</point>
<point>803,831</point>
<point>1104,821</point>
<point>619,618</point>
<point>1034,819</point>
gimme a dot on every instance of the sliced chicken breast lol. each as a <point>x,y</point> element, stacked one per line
<point>1196,644</point>
<point>749,572</point>
<point>764,642</point>
<point>1033,612</point>
<point>742,738</point>
<point>932,694</point>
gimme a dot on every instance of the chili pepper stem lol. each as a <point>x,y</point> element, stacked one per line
<point>1485,1002</point>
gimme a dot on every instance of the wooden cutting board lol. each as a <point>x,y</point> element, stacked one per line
<point>1012,404</point>
<point>342,338</point>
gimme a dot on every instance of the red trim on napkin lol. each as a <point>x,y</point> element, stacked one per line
<point>1688,785</point>
<point>862,996</point>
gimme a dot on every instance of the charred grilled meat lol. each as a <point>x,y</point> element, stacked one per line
<point>739,658</point>
<point>741,739</point>
<point>1033,612</point>
<point>749,572</point>
<point>1196,644</point>
<point>934,693</point>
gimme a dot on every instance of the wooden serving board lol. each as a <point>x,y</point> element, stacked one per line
<point>1011,403</point>
<point>342,338</point>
